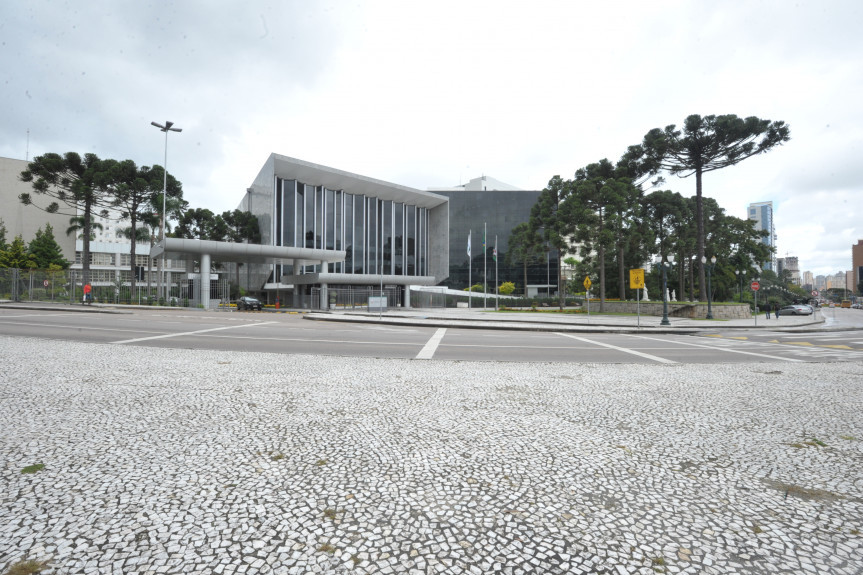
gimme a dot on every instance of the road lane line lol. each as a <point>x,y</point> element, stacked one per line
<point>622,349</point>
<point>167,335</point>
<point>427,352</point>
<point>713,347</point>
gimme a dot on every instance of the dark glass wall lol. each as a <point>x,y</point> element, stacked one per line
<point>499,212</point>
<point>372,232</point>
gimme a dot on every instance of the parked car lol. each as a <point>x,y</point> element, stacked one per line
<point>795,309</point>
<point>247,302</point>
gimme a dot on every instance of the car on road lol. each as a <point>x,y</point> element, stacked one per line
<point>247,302</point>
<point>795,309</point>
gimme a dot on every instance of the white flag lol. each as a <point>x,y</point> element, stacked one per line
<point>468,244</point>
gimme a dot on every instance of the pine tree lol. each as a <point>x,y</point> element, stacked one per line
<point>16,256</point>
<point>44,249</point>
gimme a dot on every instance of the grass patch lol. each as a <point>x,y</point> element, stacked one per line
<point>330,513</point>
<point>321,462</point>
<point>756,529</point>
<point>326,548</point>
<point>33,468</point>
<point>26,567</point>
<point>848,437</point>
<point>278,456</point>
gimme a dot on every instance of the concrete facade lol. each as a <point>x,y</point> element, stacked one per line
<point>25,221</point>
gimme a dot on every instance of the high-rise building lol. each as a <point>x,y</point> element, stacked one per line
<point>762,214</point>
<point>857,266</point>
<point>793,267</point>
<point>808,280</point>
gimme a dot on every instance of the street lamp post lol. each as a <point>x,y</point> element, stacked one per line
<point>665,265</point>
<point>162,263</point>
<point>709,289</point>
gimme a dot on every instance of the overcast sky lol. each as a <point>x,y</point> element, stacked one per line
<point>435,93</point>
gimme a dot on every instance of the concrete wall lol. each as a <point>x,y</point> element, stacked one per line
<point>677,309</point>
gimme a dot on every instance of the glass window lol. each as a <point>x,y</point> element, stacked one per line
<point>410,244</point>
<point>289,213</point>
<point>398,238</point>
<point>372,235</point>
<point>359,234</point>
<point>386,207</point>
<point>309,217</point>
<point>349,233</point>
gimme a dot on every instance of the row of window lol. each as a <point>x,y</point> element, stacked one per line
<point>378,236</point>
<point>110,259</point>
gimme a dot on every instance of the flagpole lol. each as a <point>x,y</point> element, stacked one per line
<point>495,274</point>
<point>469,270</point>
<point>484,267</point>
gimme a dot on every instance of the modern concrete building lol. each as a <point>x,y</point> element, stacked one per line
<point>762,214</point>
<point>334,228</point>
<point>25,221</point>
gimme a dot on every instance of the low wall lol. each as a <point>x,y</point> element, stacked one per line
<point>692,310</point>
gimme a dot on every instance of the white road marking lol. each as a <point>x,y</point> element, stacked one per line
<point>427,352</point>
<point>167,335</point>
<point>713,347</point>
<point>622,349</point>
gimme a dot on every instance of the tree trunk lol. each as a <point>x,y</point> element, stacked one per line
<point>561,293</point>
<point>85,252</point>
<point>132,255</point>
<point>622,272</point>
<point>699,214</point>
<point>601,278</point>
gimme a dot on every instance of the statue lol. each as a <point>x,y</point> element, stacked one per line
<point>667,296</point>
<point>673,296</point>
<point>645,294</point>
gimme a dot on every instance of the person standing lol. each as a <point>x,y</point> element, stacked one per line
<point>767,310</point>
<point>776,310</point>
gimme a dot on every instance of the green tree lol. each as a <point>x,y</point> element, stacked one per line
<point>550,220</point>
<point>604,210</point>
<point>16,256</point>
<point>45,251</point>
<point>506,288</point>
<point>200,224</point>
<point>704,144</point>
<point>525,247</point>
<point>81,185</point>
<point>242,226</point>
<point>76,228</point>
<point>136,193</point>
<point>3,245</point>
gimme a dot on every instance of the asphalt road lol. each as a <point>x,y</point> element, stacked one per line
<point>290,334</point>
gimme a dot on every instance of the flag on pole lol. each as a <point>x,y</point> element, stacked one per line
<point>494,253</point>
<point>468,244</point>
<point>483,238</point>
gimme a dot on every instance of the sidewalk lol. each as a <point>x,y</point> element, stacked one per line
<point>490,319</point>
<point>551,321</point>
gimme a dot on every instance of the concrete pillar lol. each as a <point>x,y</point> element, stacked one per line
<point>296,302</point>
<point>205,280</point>
<point>406,302</point>
<point>325,300</point>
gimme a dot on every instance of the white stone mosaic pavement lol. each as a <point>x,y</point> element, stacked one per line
<point>171,461</point>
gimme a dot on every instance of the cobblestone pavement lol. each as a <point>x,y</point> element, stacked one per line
<point>171,461</point>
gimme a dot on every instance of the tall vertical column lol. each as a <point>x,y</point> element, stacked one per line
<point>205,280</point>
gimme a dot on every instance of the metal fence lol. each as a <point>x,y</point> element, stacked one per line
<point>355,298</point>
<point>107,286</point>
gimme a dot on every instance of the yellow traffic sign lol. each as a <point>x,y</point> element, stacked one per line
<point>587,282</point>
<point>636,279</point>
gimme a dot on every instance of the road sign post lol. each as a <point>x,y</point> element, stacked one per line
<point>587,284</point>
<point>636,282</point>
<point>755,287</point>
